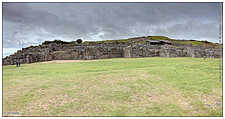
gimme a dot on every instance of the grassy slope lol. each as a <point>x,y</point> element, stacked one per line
<point>184,42</point>
<point>115,87</point>
<point>140,40</point>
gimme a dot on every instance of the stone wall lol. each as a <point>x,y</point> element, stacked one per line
<point>171,51</point>
<point>55,51</point>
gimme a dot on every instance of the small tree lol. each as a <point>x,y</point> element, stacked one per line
<point>79,41</point>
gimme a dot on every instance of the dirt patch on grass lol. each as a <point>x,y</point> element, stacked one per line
<point>213,102</point>
<point>67,61</point>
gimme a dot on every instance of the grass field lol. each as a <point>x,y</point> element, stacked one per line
<point>114,87</point>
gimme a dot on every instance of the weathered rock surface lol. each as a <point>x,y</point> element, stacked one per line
<point>54,51</point>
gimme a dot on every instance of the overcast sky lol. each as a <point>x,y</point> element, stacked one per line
<point>26,24</point>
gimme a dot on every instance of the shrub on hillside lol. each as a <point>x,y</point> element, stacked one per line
<point>79,41</point>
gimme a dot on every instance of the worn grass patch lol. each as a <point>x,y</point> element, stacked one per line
<point>114,87</point>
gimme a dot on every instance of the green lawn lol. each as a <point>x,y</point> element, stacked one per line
<point>114,87</point>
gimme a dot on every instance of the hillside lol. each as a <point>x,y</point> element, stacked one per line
<point>141,40</point>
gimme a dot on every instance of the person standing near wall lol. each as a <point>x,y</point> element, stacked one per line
<point>19,62</point>
<point>16,63</point>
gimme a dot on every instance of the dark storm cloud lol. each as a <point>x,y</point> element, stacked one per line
<point>27,24</point>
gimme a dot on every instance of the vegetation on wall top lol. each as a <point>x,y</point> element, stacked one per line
<point>138,40</point>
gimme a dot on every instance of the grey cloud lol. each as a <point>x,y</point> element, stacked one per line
<point>37,22</point>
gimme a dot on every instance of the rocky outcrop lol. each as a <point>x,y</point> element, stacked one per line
<point>93,50</point>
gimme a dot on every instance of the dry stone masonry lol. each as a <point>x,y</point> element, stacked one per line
<point>93,50</point>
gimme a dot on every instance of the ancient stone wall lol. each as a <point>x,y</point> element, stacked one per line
<point>55,51</point>
<point>171,51</point>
